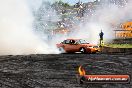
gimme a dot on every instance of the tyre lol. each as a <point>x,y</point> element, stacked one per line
<point>61,49</point>
<point>82,50</point>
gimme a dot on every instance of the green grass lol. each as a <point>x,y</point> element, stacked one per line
<point>119,45</point>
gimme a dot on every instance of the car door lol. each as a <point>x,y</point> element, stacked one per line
<point>73,47</point>
<point>77,46</point>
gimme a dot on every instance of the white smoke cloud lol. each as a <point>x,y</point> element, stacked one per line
<point>16,32</point>
<point>104,18</point>
<point>18,37</point>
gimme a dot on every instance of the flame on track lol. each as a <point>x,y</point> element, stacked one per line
<point>81,71</point>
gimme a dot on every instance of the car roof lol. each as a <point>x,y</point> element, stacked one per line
<point>92,44</point>
<point>80,39</point>
<point>72,39</point>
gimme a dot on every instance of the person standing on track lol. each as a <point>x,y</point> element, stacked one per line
<point>101,34</point>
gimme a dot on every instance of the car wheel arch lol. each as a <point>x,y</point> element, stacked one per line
<point>82,47</point>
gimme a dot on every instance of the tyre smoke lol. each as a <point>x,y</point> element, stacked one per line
<point>16,33</point>
<point>17,19</point>
<point>108,17</point>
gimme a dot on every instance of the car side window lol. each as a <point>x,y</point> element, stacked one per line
<point>64,42</point>
<point>67,42</point>
<point>72,41</point>
<point>78,42</point>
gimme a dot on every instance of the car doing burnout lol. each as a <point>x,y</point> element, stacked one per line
<point>77,45</point>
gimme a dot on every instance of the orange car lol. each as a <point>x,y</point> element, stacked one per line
<point>77,45</point>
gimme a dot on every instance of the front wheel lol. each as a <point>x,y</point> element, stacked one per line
<point>82,50</point>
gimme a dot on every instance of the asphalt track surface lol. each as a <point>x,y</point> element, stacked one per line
<point>59,71</point>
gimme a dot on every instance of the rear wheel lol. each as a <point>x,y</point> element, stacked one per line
<point>61,49</point>
<point>82,50</point>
